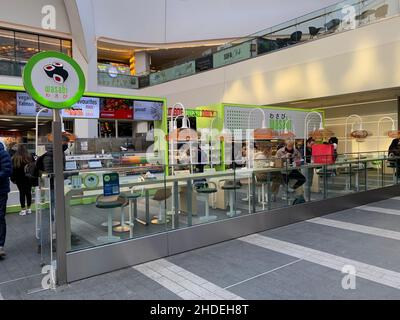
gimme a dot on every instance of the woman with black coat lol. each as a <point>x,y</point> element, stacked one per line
<point>20,159</point>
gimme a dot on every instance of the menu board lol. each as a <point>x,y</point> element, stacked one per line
<point>87,107</point>
<point>8,103</point>
<point>148,110</point>
<point>27,107</point>
<point>112,108</point>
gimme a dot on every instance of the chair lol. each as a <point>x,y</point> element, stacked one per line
<point>296,37</point>
<point>333,25</point>
<point>206,191</point>
<point>314,31</point>
<point>111,202</point>
<point>266,45</point>
<point>381,12</point>
<point>231,186</point>
<point>132,202</point>
<point>160,196</point>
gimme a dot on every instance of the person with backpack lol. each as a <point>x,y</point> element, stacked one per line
<point>5,174</point>
<point>19,161</point>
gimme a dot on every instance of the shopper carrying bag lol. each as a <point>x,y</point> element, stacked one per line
<point>20,160</point>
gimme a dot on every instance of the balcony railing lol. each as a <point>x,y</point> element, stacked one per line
<point>344,16</point>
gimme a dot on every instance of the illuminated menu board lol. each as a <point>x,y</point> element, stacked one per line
<point>148,110</point>
<point>113,108</point>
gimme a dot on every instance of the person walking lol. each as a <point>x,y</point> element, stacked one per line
<point>20,159</point>
<point>5,174</point>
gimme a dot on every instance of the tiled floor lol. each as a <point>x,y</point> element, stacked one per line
<point>299,261</point>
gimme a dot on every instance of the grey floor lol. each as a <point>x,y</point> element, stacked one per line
<point>238,269</point>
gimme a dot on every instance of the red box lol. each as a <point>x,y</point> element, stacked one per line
<point>323,154</point>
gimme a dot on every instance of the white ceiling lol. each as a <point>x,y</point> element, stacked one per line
<point>170,21</point>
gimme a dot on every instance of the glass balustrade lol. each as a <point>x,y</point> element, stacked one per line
<point>344,16</point>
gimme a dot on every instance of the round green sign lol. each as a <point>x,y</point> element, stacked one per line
<point>54,80</point>
<point>91,180</point>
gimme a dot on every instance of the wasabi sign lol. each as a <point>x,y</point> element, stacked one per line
<point>54,80</point>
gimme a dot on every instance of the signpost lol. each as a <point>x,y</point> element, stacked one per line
<point>55,81</point>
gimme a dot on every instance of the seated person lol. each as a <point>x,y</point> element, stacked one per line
<point>394,151</point>
<point>290,156</point>
<point>262,159</point>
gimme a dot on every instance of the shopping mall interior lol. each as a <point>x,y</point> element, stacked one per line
<point>251,145</point>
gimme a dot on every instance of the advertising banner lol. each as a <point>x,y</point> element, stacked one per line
<point>232,55</point>
<point>113,108</point>
<point>27,107</point>
<point>148,110</point>
<point>87,107</point>
<point>8,103</point>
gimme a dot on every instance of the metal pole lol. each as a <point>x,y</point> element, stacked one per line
<point>59,203</point>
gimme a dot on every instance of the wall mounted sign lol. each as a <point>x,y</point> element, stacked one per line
<point>114,108</point>
<point>148,110</point>
<point>54,80</point>
<point>91,181</point>
<point>87,107</point>
<point>111,184</point>
<point>26,106</point>
<point>193,113</point>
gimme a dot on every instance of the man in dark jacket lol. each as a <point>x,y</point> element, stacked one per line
<point>5,174</point>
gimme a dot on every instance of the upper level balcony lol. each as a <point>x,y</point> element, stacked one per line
<point>342,17</point>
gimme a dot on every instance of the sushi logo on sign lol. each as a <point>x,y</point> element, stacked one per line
<point>54,80</point>
<point>57,72</point>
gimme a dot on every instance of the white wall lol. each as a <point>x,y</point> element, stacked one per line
<point>370,115</point>
<point>159,21</point>
<point>29,13</point>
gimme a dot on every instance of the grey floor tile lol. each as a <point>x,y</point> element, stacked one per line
<point>374,250</point>
<point>305,280</point>
<point>230,262</point>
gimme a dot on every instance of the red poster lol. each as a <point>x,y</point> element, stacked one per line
<point>116,109</point>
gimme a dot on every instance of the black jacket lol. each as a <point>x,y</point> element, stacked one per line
<point>5,170</point>
<point>46,160</point>
<point>18,175</point>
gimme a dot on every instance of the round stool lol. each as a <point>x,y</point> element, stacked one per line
<point>160,196</point>
<point>231,187</point>
<point>132,203</point>
<point>111,202</point>
<point>206,191</point>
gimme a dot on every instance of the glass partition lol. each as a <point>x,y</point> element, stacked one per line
<point>150,203</point>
